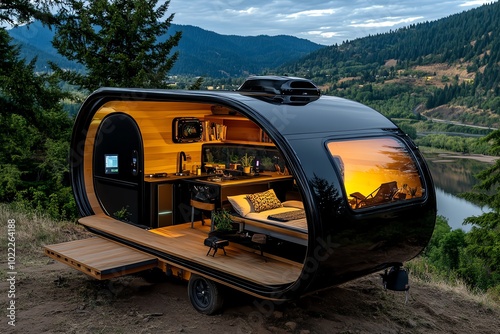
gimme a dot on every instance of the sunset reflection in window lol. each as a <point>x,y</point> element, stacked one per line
<point>376,171</point>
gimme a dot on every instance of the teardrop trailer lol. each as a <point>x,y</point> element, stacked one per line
<point>335,190</point>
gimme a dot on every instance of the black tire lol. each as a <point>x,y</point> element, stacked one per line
<point>205,295</point>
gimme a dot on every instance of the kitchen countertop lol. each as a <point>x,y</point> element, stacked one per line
<point>172,177</point>
<point>239,180</point>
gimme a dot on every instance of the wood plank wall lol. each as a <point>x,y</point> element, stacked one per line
<point>155,123</point>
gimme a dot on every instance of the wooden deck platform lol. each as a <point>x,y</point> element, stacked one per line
<point>184,242</point>
<point>101,258</point>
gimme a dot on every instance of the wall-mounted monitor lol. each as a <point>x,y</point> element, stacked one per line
<point>111,163</point>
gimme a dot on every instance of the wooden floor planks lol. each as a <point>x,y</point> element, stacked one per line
<point>101,258</point>
<point>186,243</point>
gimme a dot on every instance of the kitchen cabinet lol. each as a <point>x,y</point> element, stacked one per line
<point>165,204</point>
<point>167,200</point>
<point>244,185</point>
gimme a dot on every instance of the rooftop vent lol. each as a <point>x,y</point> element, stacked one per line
<point>281,89</point>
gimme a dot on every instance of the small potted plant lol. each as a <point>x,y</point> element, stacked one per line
<point>222,222</point>
<point>123,214</point>
<point>235,162</point>
<point>246,162</point>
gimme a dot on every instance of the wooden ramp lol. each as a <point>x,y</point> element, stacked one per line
<point>101,258</point>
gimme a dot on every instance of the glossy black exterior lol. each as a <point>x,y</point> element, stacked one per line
<point>343,244</point>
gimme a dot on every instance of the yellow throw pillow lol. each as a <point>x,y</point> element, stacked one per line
<point>266,200</point>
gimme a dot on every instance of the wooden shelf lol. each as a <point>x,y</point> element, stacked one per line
<point>222,118</point>
<point>237,129</point>
<point>245,142</point>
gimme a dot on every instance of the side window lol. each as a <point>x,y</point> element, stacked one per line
<point>376,171</point>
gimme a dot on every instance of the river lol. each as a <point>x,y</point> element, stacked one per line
<point>452,176</point>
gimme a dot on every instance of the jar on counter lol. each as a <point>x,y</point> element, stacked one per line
<point>196,170</point>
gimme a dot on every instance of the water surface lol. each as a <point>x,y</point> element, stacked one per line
<point>453,176</point>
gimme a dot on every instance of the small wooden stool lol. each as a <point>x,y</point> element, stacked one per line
<point>202,206</point>
<point>215,243</point>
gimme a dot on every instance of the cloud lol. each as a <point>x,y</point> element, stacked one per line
<point>324,22</point>
<point>473,3</point>
<point>311,13</point>
<point>324,34</point>
<point>248,11</point>
<point>386,22</point>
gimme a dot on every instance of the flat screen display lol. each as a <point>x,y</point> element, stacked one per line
<point>111,163</point>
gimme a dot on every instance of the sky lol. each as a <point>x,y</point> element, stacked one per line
<point>322,22</point>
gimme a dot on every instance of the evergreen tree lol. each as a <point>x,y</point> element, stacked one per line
<point>484,238</point>
<point>35,128</point>
<point>22,11</point>
<point>122,43</point>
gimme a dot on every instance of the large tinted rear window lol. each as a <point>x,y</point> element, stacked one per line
<point>376,171</point>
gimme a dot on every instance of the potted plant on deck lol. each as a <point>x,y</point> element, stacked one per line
<point>223,224</point>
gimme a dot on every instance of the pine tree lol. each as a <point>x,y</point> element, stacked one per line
<point>484,238</point>
<point>35,128</point>
<point>22,11</point>
<point>122,43</point>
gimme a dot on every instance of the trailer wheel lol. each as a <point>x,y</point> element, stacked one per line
<point>205,295</point>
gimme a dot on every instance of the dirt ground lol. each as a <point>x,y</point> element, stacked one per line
<point>53,298</point>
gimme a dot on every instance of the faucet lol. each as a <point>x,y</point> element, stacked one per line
<point>182,157</point>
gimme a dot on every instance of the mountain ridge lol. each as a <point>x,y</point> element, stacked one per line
<point>452,61</point>
<point>201,52</point>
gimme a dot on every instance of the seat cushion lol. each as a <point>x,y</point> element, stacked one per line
<point>240,204</point>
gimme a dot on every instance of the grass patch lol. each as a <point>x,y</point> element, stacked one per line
<point>34,230</point>
<point>423,272</point>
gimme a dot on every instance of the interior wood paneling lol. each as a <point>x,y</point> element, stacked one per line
<point>155,119</point>
<point>155,123</point>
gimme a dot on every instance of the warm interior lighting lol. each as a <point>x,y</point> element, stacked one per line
<point>376,171</point>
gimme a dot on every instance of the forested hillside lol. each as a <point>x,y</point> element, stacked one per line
<point>201,52</point>
<point>35,41</point>
<point>452,61</point>
<point>206,53</point>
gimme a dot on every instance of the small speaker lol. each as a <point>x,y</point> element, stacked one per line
<point>186,130</point>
